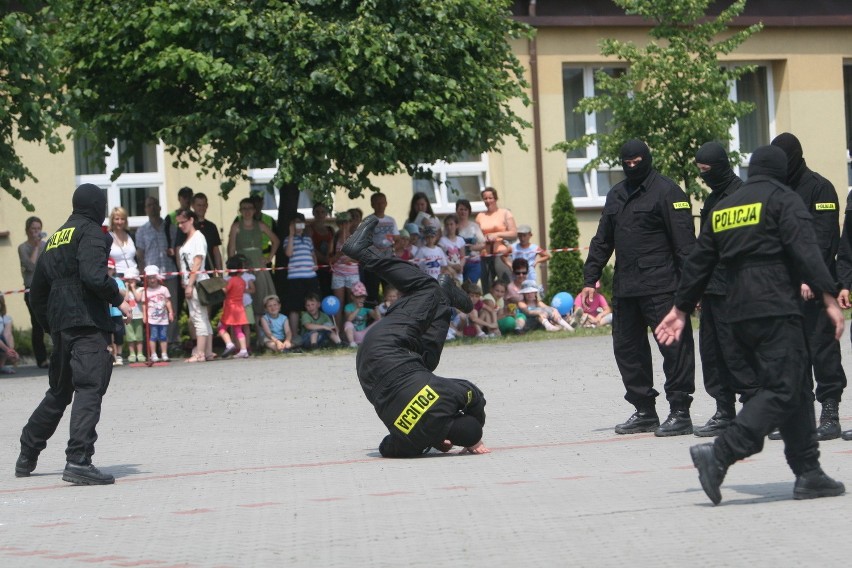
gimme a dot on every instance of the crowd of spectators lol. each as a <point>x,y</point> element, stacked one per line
<point>326,299</point>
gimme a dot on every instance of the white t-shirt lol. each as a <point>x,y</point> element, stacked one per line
<point>384,232</point>
<point>193,247</point>
<point>4,321</point>
<point>430,260</point>
<point>123,255</point>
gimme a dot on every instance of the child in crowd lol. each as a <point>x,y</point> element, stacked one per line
<point>458,321</point>
<point>547,316</point>
<point>134,333</point>
<point>233,311</point>
<point>117,318</point>
<point>481,322</point>
<point>248,297</point>
<point>344,270</point>
<point>357,316</point>
<point>533,254</point>
<point>414,240</point>
<point>301,269</point>
<point>402,247</point>
<point>520,271</point>
<point>157,313</point>
<point>430,258</point>
<point>8,355</point>
<point>390,296</point>
<point>453,245</point>
<point>317,327</point>
<point>594,314</point>
<point>494,302</point>
<point>277,335</point>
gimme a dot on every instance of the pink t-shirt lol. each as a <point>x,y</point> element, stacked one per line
<point>598,302</point>
<point>156,305</point>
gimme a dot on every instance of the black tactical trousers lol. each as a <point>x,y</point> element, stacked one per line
<point>824,352</point>
<point>713,334</point>
<point>39,349</point>
<point>80,369</point>
<point>774,349</point>
<point>416,324</point>
<point>631,319</point>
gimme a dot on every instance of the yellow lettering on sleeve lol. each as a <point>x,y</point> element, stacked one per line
<point>681,205</point>
<point>415,409</point>
<point>825,206</point>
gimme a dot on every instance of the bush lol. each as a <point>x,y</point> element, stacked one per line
<point>565,269</point>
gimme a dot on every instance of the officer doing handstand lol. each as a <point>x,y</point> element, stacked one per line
<point>395,361</point>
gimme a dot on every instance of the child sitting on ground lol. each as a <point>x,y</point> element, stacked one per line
<point>390,296</point>
<point>134,334</point>
<point>233,311</point>
<point>8,355</point>
<point>357,316</point>
<point>157,313</point>
<point>274,326</point>
<point>494,302</point>
<point>480,322</point>
<point>317,328</point>
<point>548,316</point>
<point>594,314</point>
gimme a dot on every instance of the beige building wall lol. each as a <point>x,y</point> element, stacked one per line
<point>806,66</point>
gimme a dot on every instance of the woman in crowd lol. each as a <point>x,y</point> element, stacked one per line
<point>193,253</point>
<point>322,236</point>
<point>498,226</point>
<point>420,213</point>
<point>474,242</point>
<point>246,238</point>
<point>122,250</point>
<point>28,253</point>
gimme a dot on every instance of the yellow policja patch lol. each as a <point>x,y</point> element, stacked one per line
<point>59,238</point>
<point>415,409</point>
<point>825,206</point>
<point>681,205</point>
<point>736,217</point>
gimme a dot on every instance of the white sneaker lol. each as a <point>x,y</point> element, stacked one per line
<point>154,357</point>
<point>164,358</point>
<point>119,361</point>
<point>353,345</point>
<point>242,355</point>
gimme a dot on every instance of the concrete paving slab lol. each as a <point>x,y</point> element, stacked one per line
<point>273,461</point>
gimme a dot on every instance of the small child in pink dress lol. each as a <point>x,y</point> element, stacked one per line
<point>233,310</point>
<point>157,313</point>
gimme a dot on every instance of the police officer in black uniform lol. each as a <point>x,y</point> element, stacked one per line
<point>714,332</point>
<point>820,199</point>
<point>844,269</point>
<point>70,294</point>
<point>764,236</point>
<point>647,221</point>
<point>400,351</point>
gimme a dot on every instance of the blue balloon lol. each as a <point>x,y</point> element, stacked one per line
<point>331,305</point>
<point>563,302</point>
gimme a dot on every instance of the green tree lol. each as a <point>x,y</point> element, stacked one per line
<point>335,91</point>
<point>31,98</point>
<point>565,269</point>
<point>674,94</point>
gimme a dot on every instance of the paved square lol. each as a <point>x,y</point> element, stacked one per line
<point>273,462</point>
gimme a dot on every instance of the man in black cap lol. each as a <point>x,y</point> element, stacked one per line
<point>647,222</point>
<point>764,236</point>
<point>820,199</point>
<point>396,360</point>
<point>714,333</point>
<point>70,294</point>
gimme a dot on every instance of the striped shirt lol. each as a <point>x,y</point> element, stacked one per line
<point>302,262</point>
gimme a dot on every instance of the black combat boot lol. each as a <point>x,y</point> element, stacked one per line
<point>847,435</point>
<point>25,465</point>
<point>829,421</point>
<point>717,423</point>
<point>86,474</point>
<point>815,483</point>
<point>711,472</point>
<point>677,424</point>
<point>456,297</point>
<point>643,420</point>
<point>361,239</point>
<point>775,434</point>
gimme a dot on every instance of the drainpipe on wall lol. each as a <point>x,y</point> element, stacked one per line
<point>539,174</point>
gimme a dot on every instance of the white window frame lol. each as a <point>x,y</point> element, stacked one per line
<point>770,108</point>
<point>442,171</point>
<point>127,180</point>
<point>593,198</point>
<point>264,176</point>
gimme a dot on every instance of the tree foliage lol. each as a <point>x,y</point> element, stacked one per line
<point>674,94</point>
<point>334,90</point>
<point>32,104</point>
<point>565,269</point>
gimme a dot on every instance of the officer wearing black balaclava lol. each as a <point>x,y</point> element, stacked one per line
<point>822,203</point>
<point>763,235</point>
<point>647,223</point>
<point>714,333</point>
<point>70,296</point>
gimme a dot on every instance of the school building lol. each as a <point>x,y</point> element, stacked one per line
<point>802,84</point>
